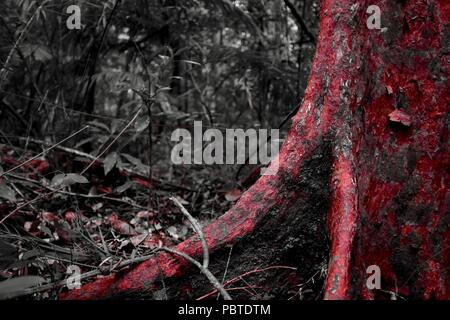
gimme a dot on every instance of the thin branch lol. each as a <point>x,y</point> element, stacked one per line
<point>5,70</point>
<point>92,157</point>
<point>15,113</point>
<point>43,152</point>
<point>203,270</point>
<point>299,20</point>
<point>83,276</point>
<point>198,229</point>
<point>240,277</point>
<point>112,142</point>
<point>82,173</point>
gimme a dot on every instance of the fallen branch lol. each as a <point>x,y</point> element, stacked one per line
<point>203,270</point>
<point>198,229</point>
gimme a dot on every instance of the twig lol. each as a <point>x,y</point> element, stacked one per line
<point>112,142</point>
<point>43,152</point>
<point>83,276</point>
<point>226,267</point>
<point>299,20</point>
<point>198,230</point>
<point>15,113</point>
<point>103,240</point>
<point>91,157</point>
<point>82,173</point>
<point>206,109</point>
<point>4,71</point>
<point>96,50</point>
<point>244,275</point>
<point>203,270</point>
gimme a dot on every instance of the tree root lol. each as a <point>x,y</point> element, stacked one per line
<point>354,186</point>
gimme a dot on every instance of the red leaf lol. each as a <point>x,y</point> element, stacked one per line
<point>71,216</point>
<point>48,216</point>
<point>63,233</point>
<point>400,117</point>
<point>233,195</point>
<point>137,240</point>
<point>156,240</point>
<point>389,90</point>
<point>145,215</point>
<point>31,226</point>
<point>120,226</point>
<point>141,182</point>
<point>105,189</point>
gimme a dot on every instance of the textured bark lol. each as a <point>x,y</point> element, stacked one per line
<point>363,176</point>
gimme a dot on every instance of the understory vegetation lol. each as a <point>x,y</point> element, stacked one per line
<point>86,118</point>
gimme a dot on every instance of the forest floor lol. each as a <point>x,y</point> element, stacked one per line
<point>57,225</point>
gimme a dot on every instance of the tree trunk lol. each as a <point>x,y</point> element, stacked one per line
<point>363,177</point>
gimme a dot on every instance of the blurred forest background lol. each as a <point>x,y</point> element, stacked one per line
<point>230,64</point>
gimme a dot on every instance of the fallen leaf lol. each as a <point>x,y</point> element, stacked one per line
<point>153,241</point>
<point>233,195</point>
<point>48,216</point>
<point>389,90</point>
<point>6,192</point>
<point>67,180</point>
<point>145,215</point>
<point>141,182</point>
<point>97,206</point>
<point>30,226</point>
<point>11,288</point>
<point>400,116</point>
<point>137,240</point>
<point>8,254</point>
<point>173,232</point>
<point>121,227</point>
<point>124,187</point>
<point>70,216</point>
<point>73,178</point>
<point>57,180</point>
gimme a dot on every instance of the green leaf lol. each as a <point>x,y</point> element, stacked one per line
<point>12,288</point>
<point>124,187</point>
<point>136,162</point>
<point>40,53</point>
<point>8,254</point>
<point>67,180</point>
<point>74,178</point>
<point>110,162</point>
<point>57,180</point>
<point>100,125</point>
<point>6,192</point>
<point>142,123</point>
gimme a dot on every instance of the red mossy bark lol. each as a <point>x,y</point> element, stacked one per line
<point>367,160</point>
